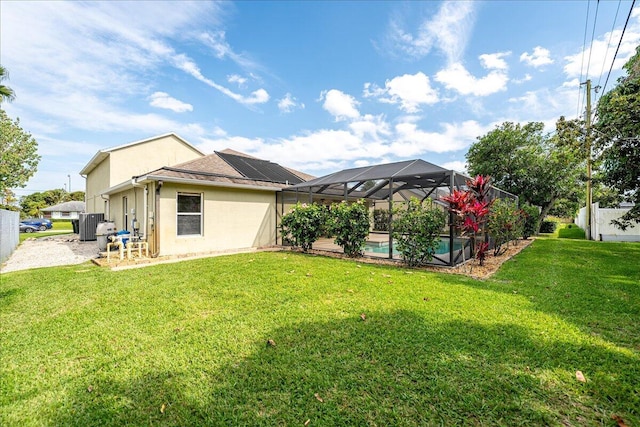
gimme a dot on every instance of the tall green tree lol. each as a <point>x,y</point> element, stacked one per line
<point>618,138</point>
<point>6,93</point>
<point>538,167</point>
<point>18,153</point>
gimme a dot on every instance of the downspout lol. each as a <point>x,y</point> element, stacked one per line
<point>135,203</point>
<point>107,198</point>
<point>145,212</point>
<point>156,221</point>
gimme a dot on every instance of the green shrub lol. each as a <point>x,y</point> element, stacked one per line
<point>381,219</point>
<point>548,226</point>
<point>350,225</point>
<point>505,223</point>
<point>304,224</point>
<point>531,215</point>
<point>416,231</point>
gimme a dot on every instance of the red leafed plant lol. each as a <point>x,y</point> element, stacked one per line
<point>481,251</point>
<point>471,208</point>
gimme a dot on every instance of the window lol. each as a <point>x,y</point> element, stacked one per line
<point>189,214</point>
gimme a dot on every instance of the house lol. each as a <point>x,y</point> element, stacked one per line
<point>66,210</point>
<point>183,201</point>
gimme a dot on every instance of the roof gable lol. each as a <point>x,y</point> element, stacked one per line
<point>101,155</point>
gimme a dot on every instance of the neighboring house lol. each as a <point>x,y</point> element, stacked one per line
<point>217,202</point>
<point>66,210</point>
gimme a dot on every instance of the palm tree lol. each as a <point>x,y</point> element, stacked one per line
<point>6,93</point>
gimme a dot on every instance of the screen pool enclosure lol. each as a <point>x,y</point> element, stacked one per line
<point>382,186</point>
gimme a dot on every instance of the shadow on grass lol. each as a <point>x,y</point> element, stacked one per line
<point>390,369</point>
<point>593,285</point>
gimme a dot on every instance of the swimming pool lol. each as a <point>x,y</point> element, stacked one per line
<point>383,247</point>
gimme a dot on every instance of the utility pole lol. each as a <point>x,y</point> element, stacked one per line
<point>588,149</point>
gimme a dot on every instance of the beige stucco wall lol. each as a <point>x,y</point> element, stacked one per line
<point>97,181</point>
<point>134,160</point>
<point>135,208</point>
<point>232,218</point>
<point>147,156</point>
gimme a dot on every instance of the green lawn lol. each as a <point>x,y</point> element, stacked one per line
<point>187,343</point>
<point>570,231</point>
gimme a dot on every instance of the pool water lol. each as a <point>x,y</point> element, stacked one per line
<point>383,247</point>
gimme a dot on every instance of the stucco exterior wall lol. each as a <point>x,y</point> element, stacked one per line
<point>135,209</point>
<point>147,156</point>
<point>232,219</point>
<point>97,181</point>
<point>124,163</point>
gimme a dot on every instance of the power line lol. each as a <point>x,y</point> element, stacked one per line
<point>593,33</point>
<point>618,48</point>
<point>604,61</point>
<point>584,45</point>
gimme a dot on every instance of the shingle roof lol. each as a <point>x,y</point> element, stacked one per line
<point>72,206</point>
<point>213,168</point>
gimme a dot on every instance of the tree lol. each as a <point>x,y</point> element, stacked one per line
<point>6,93</point>
<point>618,138</point>
<point>18,153</point>
<point>539,168</point>
<point>77,196</point>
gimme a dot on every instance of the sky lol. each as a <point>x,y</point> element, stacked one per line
<point>316,86</point>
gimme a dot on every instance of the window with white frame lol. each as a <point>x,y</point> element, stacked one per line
<point>189,221</point>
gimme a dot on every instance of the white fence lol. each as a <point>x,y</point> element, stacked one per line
<point>9,233</point>
<point>601,227</point>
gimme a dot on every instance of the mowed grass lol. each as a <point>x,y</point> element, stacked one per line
<point>570,231</point>
<point>355,344</point>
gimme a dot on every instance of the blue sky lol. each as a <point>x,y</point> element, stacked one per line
<point>318,86</point>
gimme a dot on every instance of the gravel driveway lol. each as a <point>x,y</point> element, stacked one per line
<point>50,251</point>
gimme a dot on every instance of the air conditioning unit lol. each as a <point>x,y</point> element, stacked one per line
<point>88,225</point>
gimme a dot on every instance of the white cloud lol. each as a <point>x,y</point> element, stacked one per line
<point>289,103</point>
<point>448,30</point>
<point>538,58</point>
<point>574,83</point>
<point>456,165</point>
<point>370,128</point>
<point>527,77</point>
<point>185,63</point>
<point>457,77</point>
<point>410,91</point>
<point>216,40</point>
<point>494,61</point>
<point>235,78</point>
<point>544,105</point>
<point>411,141</point>
<point>369,140</point>
<point>601,51</point>
<point>340,105</point>
<point>163,100</point>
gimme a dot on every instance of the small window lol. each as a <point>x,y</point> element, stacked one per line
<point>189,214</point>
